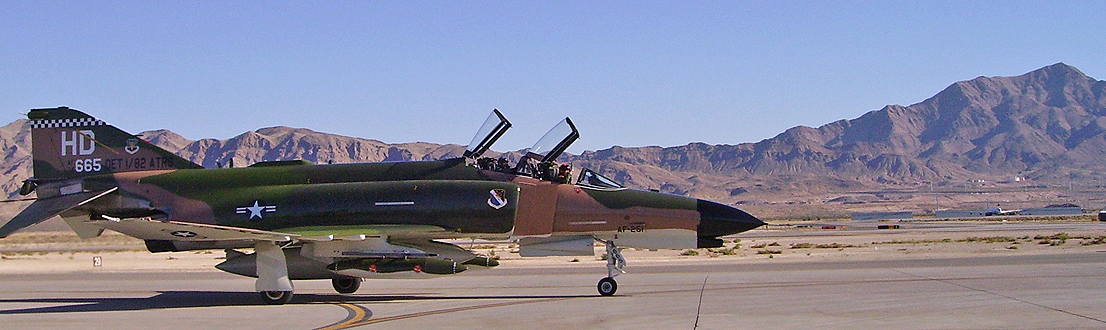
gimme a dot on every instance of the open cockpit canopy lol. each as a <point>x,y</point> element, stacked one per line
<point>555,142</point>
<point>539,161</point>
<point>492,129</point>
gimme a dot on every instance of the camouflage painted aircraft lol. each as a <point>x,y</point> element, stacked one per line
<point>346,222</point>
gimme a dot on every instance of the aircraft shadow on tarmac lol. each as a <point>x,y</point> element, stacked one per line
<point>195,299</point>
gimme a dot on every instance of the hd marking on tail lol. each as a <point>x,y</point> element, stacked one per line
<point>81,142</point>
<point>67,143</point>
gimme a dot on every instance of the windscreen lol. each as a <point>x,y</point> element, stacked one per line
<point>592,179</point>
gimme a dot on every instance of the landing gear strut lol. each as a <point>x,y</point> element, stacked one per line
<point>272,274</point>
<point>607,286</point>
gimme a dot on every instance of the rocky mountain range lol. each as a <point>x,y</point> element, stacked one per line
<point>1048,125</point>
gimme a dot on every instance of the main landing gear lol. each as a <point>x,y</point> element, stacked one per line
<point>346,285</point>
<point>272,274</point>
<point>607,286</point>
<point>276,297</point>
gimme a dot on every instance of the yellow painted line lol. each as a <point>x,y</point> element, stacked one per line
<point>361,316</point>
<point>357,314</point>
<point>452,310</point>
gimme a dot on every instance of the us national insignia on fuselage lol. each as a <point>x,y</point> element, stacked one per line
<point>256,209</point>
<point>498,199</point>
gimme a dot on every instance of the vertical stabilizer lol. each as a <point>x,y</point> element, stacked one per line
<point>67,143</point>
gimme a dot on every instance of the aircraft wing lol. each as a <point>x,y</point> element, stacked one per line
<point>185,231</point>
<point>45,208</point>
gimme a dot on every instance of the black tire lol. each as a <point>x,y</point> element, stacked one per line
<point>607,286</point>
<point>346,285</point>
<point>276,297</point>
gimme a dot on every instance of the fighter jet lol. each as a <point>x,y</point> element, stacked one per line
<point>347,222</point>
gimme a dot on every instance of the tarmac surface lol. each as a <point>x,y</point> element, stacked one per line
<point>988,292</point>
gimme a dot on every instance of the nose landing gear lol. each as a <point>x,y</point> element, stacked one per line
<point>607,286</point>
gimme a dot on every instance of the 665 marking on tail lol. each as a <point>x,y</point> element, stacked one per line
<point>88,165</point>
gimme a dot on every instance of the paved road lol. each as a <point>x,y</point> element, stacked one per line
<point>1009,292</point>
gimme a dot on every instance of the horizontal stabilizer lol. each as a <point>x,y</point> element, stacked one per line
<point>45,208</point>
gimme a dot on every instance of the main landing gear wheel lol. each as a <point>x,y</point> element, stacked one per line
<point>276,297</point>
<point>346,285</point>
<point>607,286</point>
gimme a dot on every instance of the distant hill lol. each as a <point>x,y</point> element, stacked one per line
<point>1048,125</point>
<point>1045,125</point>
<point>283,143</point>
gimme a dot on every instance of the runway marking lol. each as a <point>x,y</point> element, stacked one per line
<point>359,315</point>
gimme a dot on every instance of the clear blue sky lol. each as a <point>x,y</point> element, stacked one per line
<point>628,73</point>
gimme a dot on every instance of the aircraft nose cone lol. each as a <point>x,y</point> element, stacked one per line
<point>720,220</point>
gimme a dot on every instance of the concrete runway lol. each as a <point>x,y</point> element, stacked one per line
<point>1005,292</point>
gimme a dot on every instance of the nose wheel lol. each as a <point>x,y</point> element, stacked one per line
<point>607,286</point>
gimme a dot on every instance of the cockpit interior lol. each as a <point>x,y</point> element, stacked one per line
<point>540,159</point>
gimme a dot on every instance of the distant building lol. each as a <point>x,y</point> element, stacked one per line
<point>874,216</point>
<point>959,213</point>
<point>1053,211</point>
